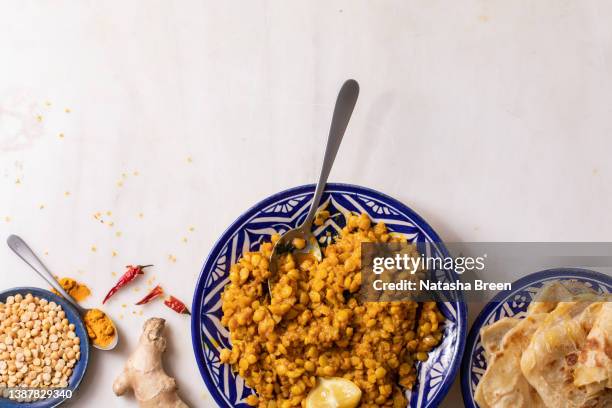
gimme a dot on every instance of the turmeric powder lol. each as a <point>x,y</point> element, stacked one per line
<point>78,291</point>
<point>100,327</point>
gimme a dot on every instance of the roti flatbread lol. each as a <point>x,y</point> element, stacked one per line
<point>554,292</point>
<point>548,362</point>
<point>594,365</point>
<point>549,297</point>
<point>491,336</point>
<point>503,384</point>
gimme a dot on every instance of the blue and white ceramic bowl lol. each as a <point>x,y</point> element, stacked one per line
<point>279,213</point>
<point>514,303</point>
<point>81,366</point>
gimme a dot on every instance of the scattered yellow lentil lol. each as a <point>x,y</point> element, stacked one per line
<point>18,181</point>
<point>172,258</point>
<point>118,234</point>
<point>184,239</point>
<point>39,118</point>
<point>114,253</point>
<point>7,219</point>
<point>120,183</point>
<point>93,248</point>
<point>189,159</point>
<point>140,215</point>
<point>66,193</point>
<point>191,229</point>
<point>42,207</point>
<point>67,110</point>
<point>136,173</point>
<point>61,135</point>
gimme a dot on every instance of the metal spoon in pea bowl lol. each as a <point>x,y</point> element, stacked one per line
<point>23,251</point>
<point>301,239</point>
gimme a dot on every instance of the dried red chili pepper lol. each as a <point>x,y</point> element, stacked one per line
<point>155,292</point>
<point>129,275</point>
<point>176,305</point>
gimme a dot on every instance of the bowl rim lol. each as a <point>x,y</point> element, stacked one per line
<point>501,298</point>
<point>84,360</point>
<point>196,333</point>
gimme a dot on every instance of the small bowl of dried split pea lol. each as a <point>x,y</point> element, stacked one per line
<point>44,349</point>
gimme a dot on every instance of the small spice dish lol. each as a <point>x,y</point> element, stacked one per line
<point>78,371</point>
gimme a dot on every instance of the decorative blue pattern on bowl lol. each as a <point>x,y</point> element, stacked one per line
<point>279,213</point>
<point>80,367</point>
<point>514,303</point>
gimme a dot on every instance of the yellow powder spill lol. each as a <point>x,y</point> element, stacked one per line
<point>78,291</point>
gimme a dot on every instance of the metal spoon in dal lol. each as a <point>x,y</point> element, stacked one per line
<point>345,103</point>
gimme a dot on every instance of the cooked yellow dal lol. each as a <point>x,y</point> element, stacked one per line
<point>313,327</point>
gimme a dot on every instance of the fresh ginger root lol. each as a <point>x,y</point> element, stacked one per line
<point>144,374</point>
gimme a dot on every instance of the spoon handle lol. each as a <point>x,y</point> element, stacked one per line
<point>347,98</point>
<point>23,251</point>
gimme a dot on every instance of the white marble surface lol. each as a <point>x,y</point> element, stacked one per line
<point>489,118</point>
